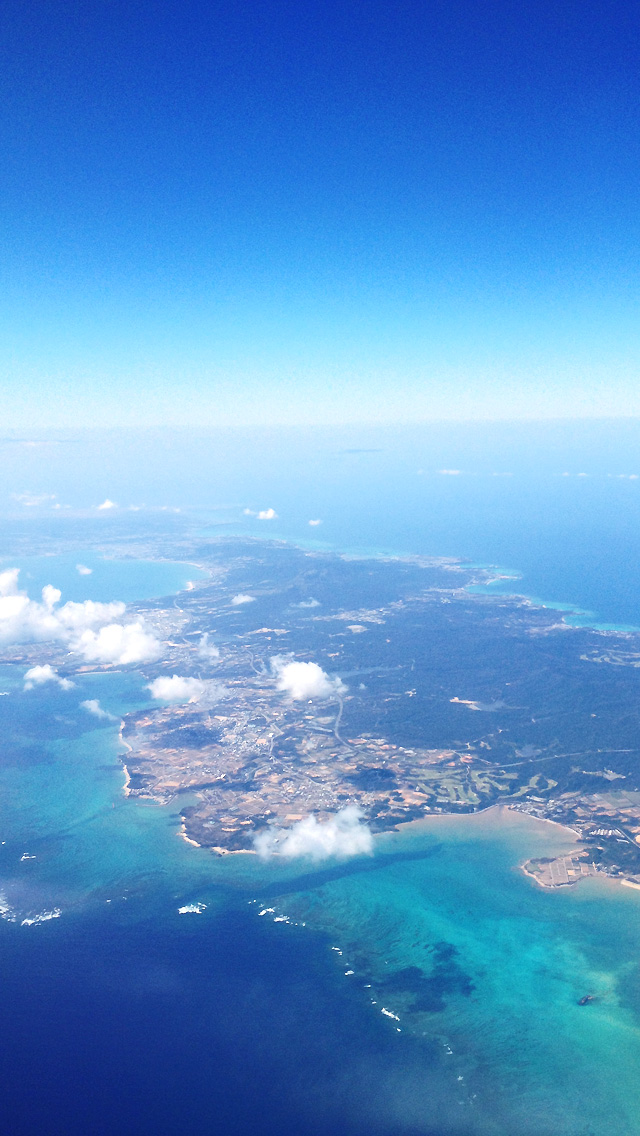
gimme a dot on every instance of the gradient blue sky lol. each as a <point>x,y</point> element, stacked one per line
<point>318,212</point>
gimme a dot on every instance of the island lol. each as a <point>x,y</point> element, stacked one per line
<point>436,699</point>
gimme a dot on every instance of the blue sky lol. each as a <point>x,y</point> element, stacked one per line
<point>300,213</point>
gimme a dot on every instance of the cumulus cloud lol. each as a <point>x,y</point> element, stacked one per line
<point>450,472</point>
<point>107,504</point>
<point>82,570</point>
<point>262,514</point>
<point>178,689</point>
<point>38,676</point>
<point>315,522</point>
<point>77,616</point>
<point>241,598</point>
<point>92,706</point>
<point>118,643</point>
<point>342,836</point>
<point>207,650</point>
<point>309,603</point>
<point>23,620</point>
<point>305,680</point>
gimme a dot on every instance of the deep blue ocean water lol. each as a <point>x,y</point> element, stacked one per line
<point>121,1016</point>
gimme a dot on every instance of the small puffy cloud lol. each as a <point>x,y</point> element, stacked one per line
<point>82,570</point>
<point>207,650</point>
<point>107,504</point>
<point>450,472</point>
<point>314,523</point>
<point>309,603</point>
<point>305,680</point>
<point>92,706</point>
<point>241,598</point>
<point>51,596</point>
<point>121,643</point>
<point>267,515</point>
<point>178,689</point>
<point>38,676</point>
<point>342,836</point>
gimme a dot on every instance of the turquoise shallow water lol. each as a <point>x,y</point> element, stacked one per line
<point>528,1057</point>
<point>506,960</point>
<point>107,579</point>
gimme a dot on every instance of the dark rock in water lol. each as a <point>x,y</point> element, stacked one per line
<point>584,1001</point>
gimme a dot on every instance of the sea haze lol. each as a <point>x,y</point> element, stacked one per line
<point>555,504</point>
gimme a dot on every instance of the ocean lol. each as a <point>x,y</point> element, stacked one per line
<point>123,1015</point>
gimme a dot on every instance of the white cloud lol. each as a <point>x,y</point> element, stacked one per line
<point>342,836</point>
<point>82,570</point>
<point>450,472</point>
<point>9,581</point>
<point>37,676</point>
<point>207,650</point>
<point>121,643</point>
<point>178,689</point>
<point>305,680</point>
<point>34,500</point>
<point>308,603</point>
<point>241,598</point>
<point>107,504</point>
<point>77,616</point>
<point>92,706</point>
<point>315,522</point>
<point>262,514</point>
<point>23,620</point>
